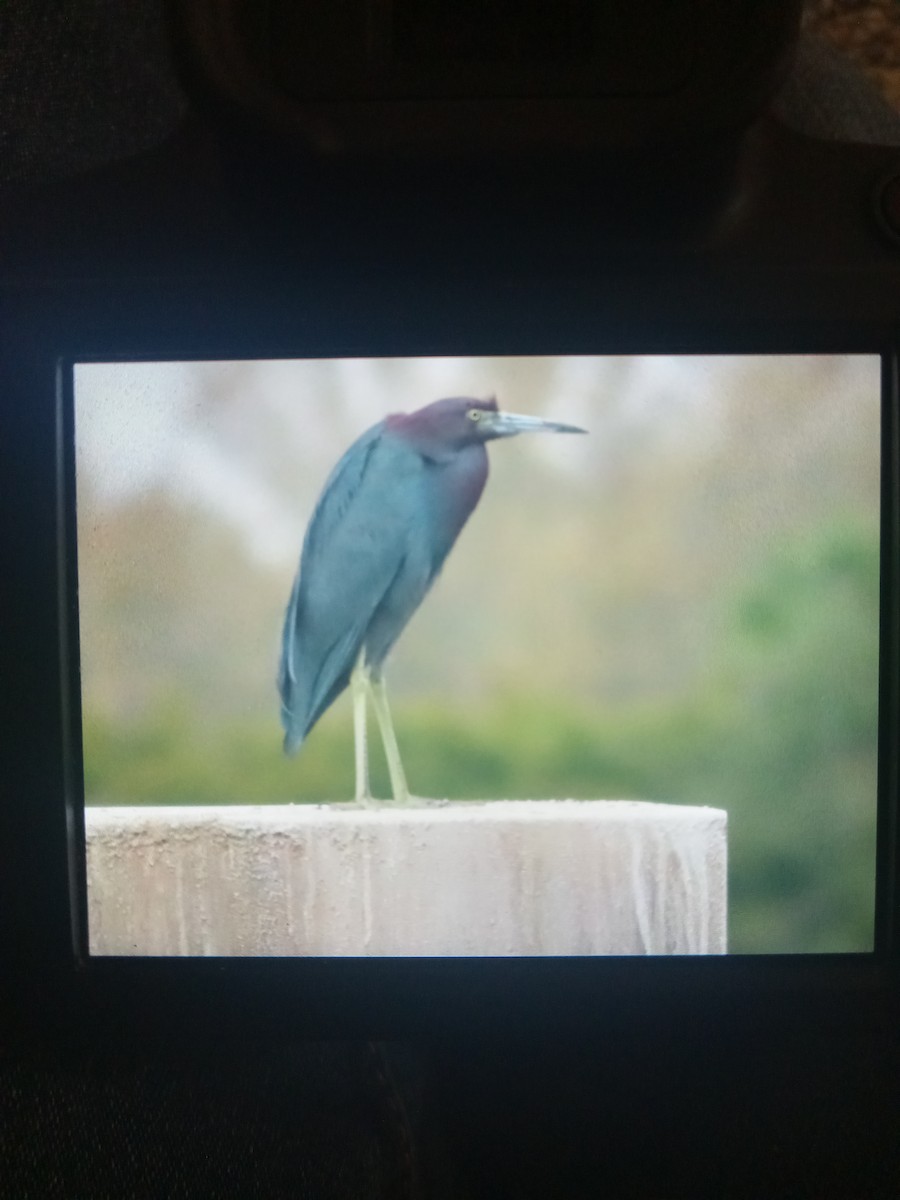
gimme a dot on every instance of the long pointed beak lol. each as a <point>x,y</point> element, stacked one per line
<point>506,424</point>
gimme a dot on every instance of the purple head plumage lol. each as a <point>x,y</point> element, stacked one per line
<point>460,421</point>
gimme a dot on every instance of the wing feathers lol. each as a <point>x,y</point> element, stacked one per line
<point>354,548</point>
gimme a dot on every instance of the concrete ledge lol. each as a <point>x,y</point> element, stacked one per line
<point>504,878</point>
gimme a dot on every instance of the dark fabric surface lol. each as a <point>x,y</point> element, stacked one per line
<point>82,83</point>
<point>312,1119</point>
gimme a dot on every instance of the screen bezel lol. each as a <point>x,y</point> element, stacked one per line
<point>330,996</point>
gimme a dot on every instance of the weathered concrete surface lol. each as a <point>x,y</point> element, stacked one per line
<point>504,878</point>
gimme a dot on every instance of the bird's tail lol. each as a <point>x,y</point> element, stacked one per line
<point>294,732</point>
<point>293,740</point>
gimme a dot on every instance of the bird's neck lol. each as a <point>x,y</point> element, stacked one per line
<point>462,479</point>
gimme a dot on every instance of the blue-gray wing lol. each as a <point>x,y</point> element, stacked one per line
<point>356,544</point>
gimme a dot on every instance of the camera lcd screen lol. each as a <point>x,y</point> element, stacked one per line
<point>636,708</point>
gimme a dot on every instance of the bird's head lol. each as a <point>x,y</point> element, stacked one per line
<point>460,421</point>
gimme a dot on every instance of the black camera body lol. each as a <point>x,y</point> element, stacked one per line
<point>390,204</point>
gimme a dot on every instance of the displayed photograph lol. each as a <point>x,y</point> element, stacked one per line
<point>479,656</point>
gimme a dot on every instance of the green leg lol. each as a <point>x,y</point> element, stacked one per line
<point>389,738</point>
<point>359,686</point>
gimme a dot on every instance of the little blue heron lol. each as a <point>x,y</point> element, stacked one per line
<point>386,520</point>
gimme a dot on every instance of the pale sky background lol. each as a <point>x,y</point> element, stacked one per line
<point>147,425</point>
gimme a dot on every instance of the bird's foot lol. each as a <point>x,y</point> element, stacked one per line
<point>408,800</point>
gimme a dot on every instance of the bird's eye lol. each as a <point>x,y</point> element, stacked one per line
<point>474,414</point>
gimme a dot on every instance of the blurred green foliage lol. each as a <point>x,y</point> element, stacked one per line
<point>780,732</point>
